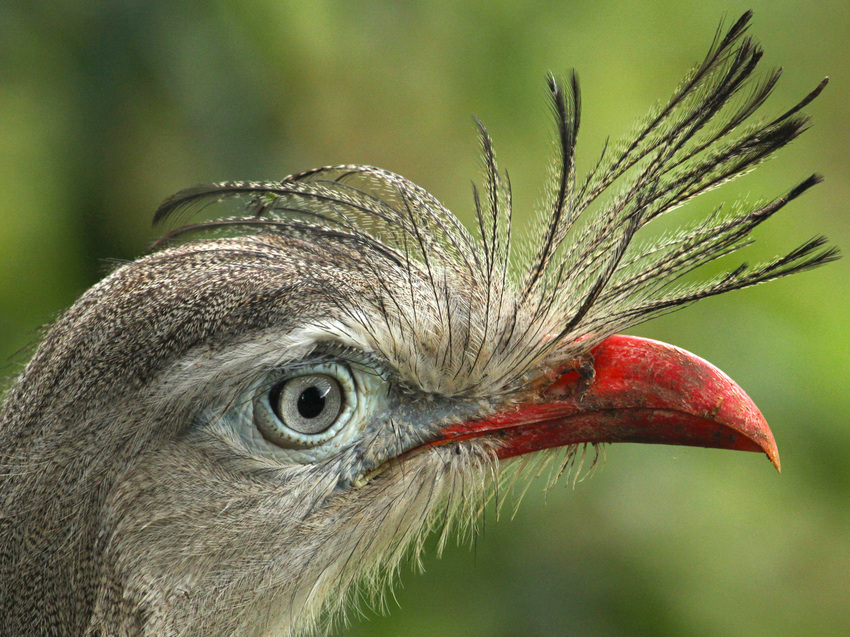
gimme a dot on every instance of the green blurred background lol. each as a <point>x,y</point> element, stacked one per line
<point>107,107</point>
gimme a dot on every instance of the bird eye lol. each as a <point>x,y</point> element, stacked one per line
<point>304,411</point>
<point>307,404</point>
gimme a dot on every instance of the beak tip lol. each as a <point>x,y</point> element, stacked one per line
<point>773,455</point>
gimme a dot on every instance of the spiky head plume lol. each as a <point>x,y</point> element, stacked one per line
<point>472,315</point>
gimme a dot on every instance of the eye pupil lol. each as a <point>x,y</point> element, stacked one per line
<point>311,402</point>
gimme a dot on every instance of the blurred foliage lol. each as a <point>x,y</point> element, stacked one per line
<point>107,107</point>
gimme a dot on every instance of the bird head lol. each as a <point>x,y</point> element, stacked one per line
<point>232,433</point>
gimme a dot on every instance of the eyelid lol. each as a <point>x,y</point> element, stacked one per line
<point>351,357</point>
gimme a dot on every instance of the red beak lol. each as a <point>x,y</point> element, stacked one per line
<point>639,390</point>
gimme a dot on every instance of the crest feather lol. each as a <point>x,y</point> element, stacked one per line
<point>467,317</point>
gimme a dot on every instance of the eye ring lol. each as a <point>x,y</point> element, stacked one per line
<point>305,410</point>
